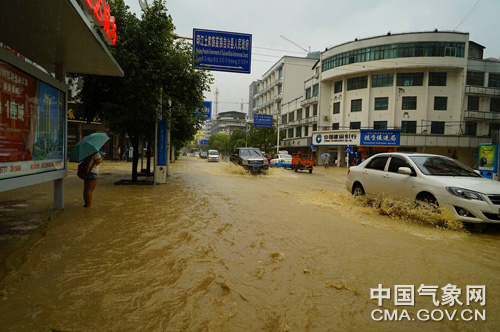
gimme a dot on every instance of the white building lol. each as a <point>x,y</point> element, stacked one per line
<point>279,84</point>
<point>229,121</point>
<point>433,88</point>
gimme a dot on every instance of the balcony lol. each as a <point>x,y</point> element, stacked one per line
<point>481,115</point>
<point>310,101</point>
<point>483,91</point>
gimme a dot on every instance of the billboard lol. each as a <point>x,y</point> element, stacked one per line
<point>222,50</point>
<point>380,137</point>
<point>488,158</point>
<point>32,124</point>
<point>208,107</point>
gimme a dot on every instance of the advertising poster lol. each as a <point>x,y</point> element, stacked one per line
<point>32,124</point>
<point>488,155</point>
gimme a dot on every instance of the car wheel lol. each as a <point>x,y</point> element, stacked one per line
<point>427,198</point>
<point>358,190</point>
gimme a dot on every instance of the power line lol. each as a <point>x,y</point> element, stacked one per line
<point>469,14</point>
<point>273,49</point>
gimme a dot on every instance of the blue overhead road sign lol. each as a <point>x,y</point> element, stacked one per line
<point>262,120</point>
<point>223,51</point>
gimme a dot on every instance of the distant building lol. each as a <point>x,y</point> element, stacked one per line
<point>253,100</point>
<point>227,122</point>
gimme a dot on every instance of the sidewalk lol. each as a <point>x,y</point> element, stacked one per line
<point>25,212</point>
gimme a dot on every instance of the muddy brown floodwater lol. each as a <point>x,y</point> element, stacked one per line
<point>217,249</point>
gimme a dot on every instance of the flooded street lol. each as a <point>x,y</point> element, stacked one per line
<point>217,249</point>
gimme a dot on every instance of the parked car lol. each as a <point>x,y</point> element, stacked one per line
<point>250,159</point>
<point>203,154</point>
<point>432,178</point>
<point>213,155</point>
<point>281,160</point>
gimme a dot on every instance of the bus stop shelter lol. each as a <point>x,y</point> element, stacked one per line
<point>58,36</point>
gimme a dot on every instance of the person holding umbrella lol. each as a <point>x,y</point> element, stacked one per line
<point>326,159</point>
<point>88,150</point>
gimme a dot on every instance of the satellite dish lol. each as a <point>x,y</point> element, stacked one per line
<point>144,4</point>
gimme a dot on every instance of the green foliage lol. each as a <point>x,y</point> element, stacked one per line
<point>154,66</point>
<point>219,142</point>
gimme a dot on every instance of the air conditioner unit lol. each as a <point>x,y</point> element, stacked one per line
<point>326,118</point>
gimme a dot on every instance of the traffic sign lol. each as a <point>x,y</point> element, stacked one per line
<point>348,149</point>
<point>262,120</point>
<point>222,50</point>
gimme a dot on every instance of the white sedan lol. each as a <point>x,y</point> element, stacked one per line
<point>432,178</point>
<point>281,160</point>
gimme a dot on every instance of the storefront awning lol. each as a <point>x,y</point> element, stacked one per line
<point>54,32</point>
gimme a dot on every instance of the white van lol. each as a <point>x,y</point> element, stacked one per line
<point>213,155</point>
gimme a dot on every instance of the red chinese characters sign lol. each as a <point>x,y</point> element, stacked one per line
<point>18,104</point>
<point>102,13</point>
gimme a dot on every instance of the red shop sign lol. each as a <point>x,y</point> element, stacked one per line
<point>102,13</point>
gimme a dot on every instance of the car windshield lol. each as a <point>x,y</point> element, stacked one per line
<point>212,153</point>
<point>285,156</point>
<point>442,166</point>
<point>250,153</point>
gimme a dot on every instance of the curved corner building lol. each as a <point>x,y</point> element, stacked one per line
<point>433,88</point>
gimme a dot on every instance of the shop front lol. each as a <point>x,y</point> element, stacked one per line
<point>351,147</point>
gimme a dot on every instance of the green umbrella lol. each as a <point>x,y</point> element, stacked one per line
<point>88,146</point>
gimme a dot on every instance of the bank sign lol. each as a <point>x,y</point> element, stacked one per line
<point>338,137</point>
<point>362,137</point>
<point>223,51</point>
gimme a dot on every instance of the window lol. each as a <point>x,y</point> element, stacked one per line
<point>378,163</point>
<point>307,112</point>
<point>410,79</point>
<point>494,127</point>
<point>315,127</point>
<point>381,103</point>
<point>315,90</point>
<point>475,78</point>
<point>380,80</point>
<point>356,105</point>
<point>396,163</point>
<point>355,125</point>
<point>291,116</point>
<point>298,132</point>
<point>409,103</point>
<point>494,80</point>
<point>338,87</point>
<point>437,79</point>
<point>409,127</point>
<point>315,109</point>
<point>440,103</point>
<point>290,133</point>
<point>280,89</point>
<point>336,108</point>
<point>470,128</point>
<point>280,73</point>
<point>336,126</point>
<point>308,93</point>
<point>357,83</point>
<point>299,114</point>
<point>437,127</point>
<point>379,124</point>
<point>473,103</point>
<point>284,119</point>
<point>306,131</point>
<point>495,105</point>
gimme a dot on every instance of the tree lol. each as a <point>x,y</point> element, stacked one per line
<point>264,138</point>
<point>219,142</point>
<point>154,65</point>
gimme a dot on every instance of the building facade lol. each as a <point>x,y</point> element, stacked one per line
<point>434,88</point>
<point>227,122</point>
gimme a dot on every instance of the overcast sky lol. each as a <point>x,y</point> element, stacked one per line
<point>317,24</point>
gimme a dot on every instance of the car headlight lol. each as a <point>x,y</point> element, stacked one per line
<point>464,193</point>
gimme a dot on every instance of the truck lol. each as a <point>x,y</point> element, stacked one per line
<point>301,161</point>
